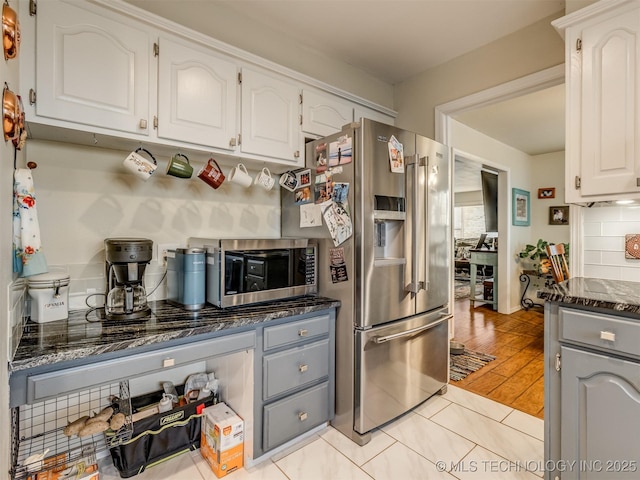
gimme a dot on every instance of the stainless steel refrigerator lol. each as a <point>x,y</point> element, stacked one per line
<point>392,273</point>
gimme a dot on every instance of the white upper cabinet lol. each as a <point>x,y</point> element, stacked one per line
<point>197,95</point>
<point>90,68</point>
<point>324,114</point>
<point>270,113</point>
<point>110,69</point>
<point>603,101</point>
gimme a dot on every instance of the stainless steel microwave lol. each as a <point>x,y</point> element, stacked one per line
<point>241,272</point>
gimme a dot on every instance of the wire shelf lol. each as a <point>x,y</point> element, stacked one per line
<point>39,430</point>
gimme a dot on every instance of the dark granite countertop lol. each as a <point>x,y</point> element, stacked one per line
<point>615,295</point>
<point>84,334</point>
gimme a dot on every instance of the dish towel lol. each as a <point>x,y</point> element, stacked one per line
<point>28,258</point>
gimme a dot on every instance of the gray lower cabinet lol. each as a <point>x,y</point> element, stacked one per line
<point>592,395</point>
<point>295,379</point>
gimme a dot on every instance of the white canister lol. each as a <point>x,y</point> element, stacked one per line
<point>49,293</point>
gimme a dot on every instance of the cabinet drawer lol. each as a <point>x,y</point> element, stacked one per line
<point>294,415</point>
<point>55,383</point>
<point>604,331</point>
<point>294,368</point>
<point>295,332</point>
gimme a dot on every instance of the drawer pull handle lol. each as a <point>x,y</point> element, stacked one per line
<point>610,336</point>
<point>303,368</point>
<point>302,416</point>
<point>303,332</point>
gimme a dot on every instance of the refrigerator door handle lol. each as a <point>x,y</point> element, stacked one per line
<point>413,185</point>
<point>424,164</point>
<point>413,331</point>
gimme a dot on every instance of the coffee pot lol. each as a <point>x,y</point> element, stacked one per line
<point>126,261</point>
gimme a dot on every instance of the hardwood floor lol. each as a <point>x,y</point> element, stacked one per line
<point>516,377</point>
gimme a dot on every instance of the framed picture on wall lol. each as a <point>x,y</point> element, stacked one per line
<point>549,192</point>
<point>520,208</point>
<point>559,215</point>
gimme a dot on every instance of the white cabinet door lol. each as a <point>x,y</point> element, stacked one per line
<point>324,114</point>
<point>197,96</point>
<point>610,160</point>
<point>90,68</point>
<point>270,112</point>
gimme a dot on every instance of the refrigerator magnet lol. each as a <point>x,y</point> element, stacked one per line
<point>340,192</point>
<point>340,151</point>
<point>321,157</point>
<point>288,181</point>
<point>302,195</point>
<point>303,178</point>
<point>396,156</point>
<point>310,215</point>
<point>337,265</point>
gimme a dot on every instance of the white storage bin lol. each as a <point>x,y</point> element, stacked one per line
<point>49,293</point>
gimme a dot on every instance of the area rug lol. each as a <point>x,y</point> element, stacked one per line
<point>468,362</point>
<point>462,289</point>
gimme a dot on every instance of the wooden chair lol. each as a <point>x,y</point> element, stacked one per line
<point>559,266</point>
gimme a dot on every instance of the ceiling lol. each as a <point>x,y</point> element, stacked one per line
<point>392,40</point>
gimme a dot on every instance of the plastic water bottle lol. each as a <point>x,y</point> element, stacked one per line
<point>165,404</point>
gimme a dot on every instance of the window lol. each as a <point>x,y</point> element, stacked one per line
<point>468,221</point>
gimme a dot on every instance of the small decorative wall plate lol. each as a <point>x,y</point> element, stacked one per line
<point>632,246</point>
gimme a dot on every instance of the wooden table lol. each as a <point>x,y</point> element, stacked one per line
<point>484,257</point>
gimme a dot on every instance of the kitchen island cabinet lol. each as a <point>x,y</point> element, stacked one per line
<point>296,335</point>
<point>592,379</point>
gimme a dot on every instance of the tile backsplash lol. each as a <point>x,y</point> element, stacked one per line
<point>605,228</point>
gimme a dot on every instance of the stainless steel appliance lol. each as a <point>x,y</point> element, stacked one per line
<point>240,272</point>
<point>394,273</point>
<point>186,275</point>
<point>126,261</point>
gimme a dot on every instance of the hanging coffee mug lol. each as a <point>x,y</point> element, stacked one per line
<point>179,166</point>
<point>240,176</point>
<point>142,167</point>
<point>289,181</point>
<point>211,173</point>
<point>264,179</point>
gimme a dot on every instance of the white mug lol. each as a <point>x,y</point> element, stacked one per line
<point>142,167</point>
<point>289,181</point>
<point>264,179</point>
<point>240,176</point>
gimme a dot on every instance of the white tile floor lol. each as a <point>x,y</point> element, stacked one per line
<point>459,435</point>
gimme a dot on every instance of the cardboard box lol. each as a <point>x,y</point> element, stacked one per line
<point>66,466</point>
<point>222,441</point>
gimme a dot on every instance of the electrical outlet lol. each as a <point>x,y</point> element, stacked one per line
<point>161,254</point>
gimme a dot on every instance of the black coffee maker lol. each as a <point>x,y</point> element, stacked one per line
<point>126,261</point>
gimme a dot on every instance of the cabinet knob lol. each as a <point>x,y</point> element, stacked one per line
<point>296,154</point>
<point>303,368</point>
<point>143,123</point>
<point>303,332</point>
<point>609,336</point>
<point>302,416</point>
<point>233,142</point>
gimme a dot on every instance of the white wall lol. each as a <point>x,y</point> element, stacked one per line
<point>605,227</point>
<point>85,195</point>
<point>529,50</point>
<point>547,171</point>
